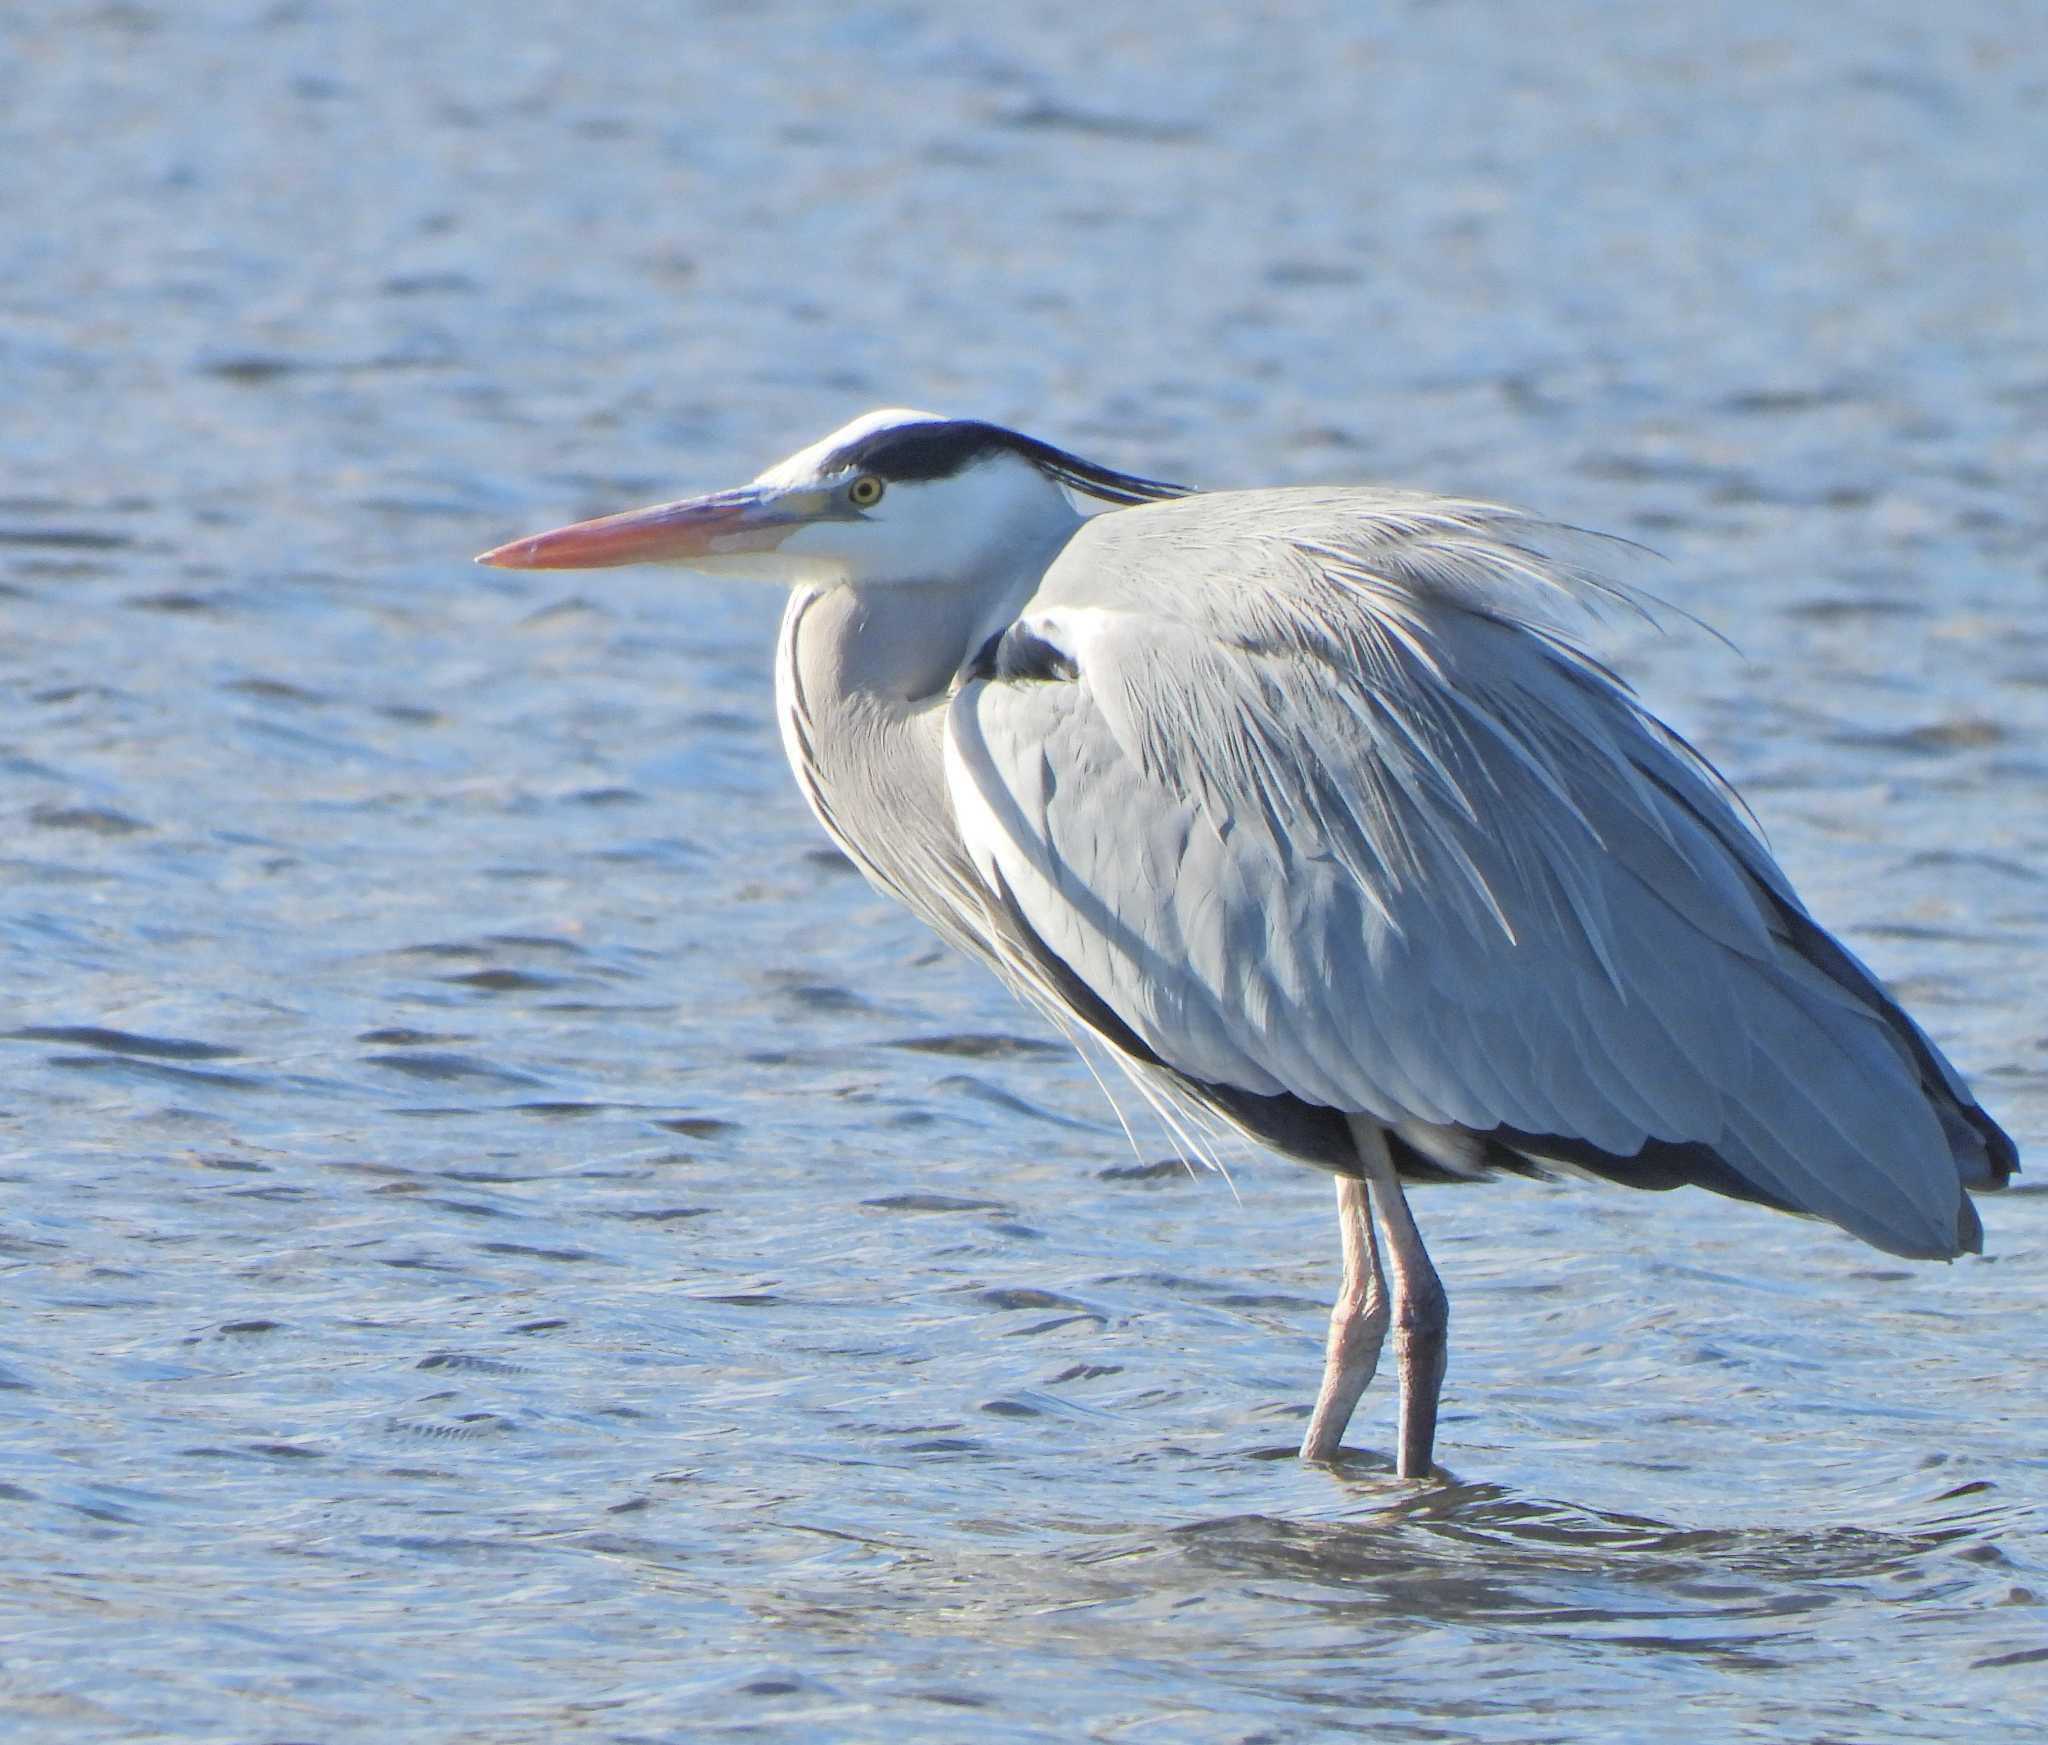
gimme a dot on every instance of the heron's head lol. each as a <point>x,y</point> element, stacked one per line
<point>895,496</point>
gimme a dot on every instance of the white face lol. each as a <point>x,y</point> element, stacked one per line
<point>872,531</point>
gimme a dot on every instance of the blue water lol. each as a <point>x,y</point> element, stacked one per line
<point>506,1238</point>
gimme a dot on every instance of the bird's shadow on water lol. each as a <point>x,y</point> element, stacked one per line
<point>1449,1552</point>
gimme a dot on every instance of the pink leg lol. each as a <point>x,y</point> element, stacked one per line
<point>1421,1310</point>
<point>1358,1325</point>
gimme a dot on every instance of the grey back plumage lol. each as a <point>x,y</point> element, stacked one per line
<point>1307,802</point>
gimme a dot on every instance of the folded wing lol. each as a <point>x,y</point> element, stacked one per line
<point>1342,819</point>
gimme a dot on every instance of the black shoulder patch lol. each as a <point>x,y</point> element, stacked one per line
<point>940,448</point>
<point>1019,655</point>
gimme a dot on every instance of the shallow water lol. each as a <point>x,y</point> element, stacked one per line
<point>507,1238</point>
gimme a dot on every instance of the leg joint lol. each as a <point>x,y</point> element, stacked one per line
<point>1423,1308</point>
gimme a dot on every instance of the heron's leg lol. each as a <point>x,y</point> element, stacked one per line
<point>1421,1310</point>
<point>1358,1324</point>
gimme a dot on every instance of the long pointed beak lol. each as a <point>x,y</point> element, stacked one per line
<point>753,518</point>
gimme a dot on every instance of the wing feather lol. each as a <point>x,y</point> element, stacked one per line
<point>1345,817</point>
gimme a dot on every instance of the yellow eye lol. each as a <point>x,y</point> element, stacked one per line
<point>865,492</point>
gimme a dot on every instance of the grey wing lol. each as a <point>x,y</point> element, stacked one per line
<point>1317,824</point>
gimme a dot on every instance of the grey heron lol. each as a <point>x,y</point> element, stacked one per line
<point>1309,806</point>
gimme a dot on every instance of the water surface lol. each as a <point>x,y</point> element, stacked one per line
<point>508,1238</point>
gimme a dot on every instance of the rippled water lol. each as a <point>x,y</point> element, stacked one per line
<point>507,1238</point>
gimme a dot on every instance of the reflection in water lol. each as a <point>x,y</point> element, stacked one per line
<point>1476,1554</point>
<point>1424,1607</point>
